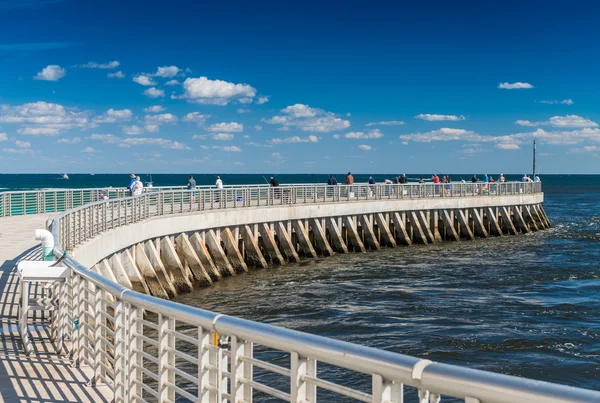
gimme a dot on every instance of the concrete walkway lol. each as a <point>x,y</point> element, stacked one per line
<point>44,376</point>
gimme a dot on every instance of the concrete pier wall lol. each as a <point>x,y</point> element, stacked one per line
<point>167,256</point>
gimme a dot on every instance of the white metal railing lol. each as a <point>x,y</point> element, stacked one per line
<point>149,349</point>
<point>57,200</point>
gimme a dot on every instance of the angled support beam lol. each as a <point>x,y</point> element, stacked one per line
<point>400,229</point>
<point>414,223</point>
<point>233,251</point>
<point>543,217</point>
<point>286,242</point>
<point>156,284</point>
<point>218,254</point>
<point>538,217</point>
<point>131,270</point>
<point>183,278</point>
<point>163,275</point>
<point>119,271</point>
<point>252,249</point>
<point>353,236</point>
<point>425,226</point>
<point>507,221</point>
<point>520,220</point>
<point>336,235</point>
<point>479,227</point>
<point>320,237</point>
<point>493,219</point>
<point>187,252</point>
<point>268,239</point>
<point>464,224</point>
<point>370,238</point>
<point>530,219</point>
<point>303,238</point>
<point>434,225</point>
<point>203,254</point>
<point>384,229</point>
<point>449,224</point>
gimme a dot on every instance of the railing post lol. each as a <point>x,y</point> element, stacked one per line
<point>98,334</point>
<point>121,362</point>
<point>207,388</point>
<point>135,377</point>
<point>302,391</point>
<point>387,391</point>
<point>76,282</point>
<point>166,359</point>
<point>239,369</point>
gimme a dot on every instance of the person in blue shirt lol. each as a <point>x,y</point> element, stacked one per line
<point>485,178</point>
<point>131,182</point>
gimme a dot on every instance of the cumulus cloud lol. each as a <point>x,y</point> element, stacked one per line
<point>114,115</point>
<point>154,93</point>
<point>234,149</point>
<point>74,140</point>
<point>143,80</point>
<point>117,74</point>
<point>172,82</point>
<point>507,146</point>
<point>295,139</point>
<point>3,137</point>
<point>88,150</point>
<point>154,109</point>
<point>584,149</point>
<point>152,128</point>
<point>196,117</point>
<point>371,134</point>
<point>560,121</point>
<point>19,151</point>
<point>167,71</point>
<point>437,118</point>
<point>43,116</point>
<point>105,138</point>
<point>216,92</point>
<point>515,86</point>
<point>262,100</point>
<point>364,147</point>
<point>226,127</point>
<point>308,119</point>
<point>133,130</point>
<point>243,110</point>
<point>557,102</point>
<point>159,142</point>
<point>443,134</point>
<point>222,136</point>
<point>386,123</point>
<point>93,65</point>
<point>52,72</point>
<point>22,144</point>
<point>38,131</point>
<point>160,118</point>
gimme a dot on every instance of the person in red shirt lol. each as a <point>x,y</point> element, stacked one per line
<point>435,178</point>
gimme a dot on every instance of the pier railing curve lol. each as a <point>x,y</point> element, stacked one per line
<point>149,349</point>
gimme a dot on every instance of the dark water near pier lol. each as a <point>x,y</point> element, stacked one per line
<point>526,305</point>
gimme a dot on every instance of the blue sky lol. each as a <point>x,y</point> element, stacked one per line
<point>236,87</point>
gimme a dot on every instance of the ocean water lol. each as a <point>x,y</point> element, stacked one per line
<point>527,305</point>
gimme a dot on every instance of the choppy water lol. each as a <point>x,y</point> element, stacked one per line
<point>526,305</point>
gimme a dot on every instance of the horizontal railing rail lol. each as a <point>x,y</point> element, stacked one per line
<point>149,349</point>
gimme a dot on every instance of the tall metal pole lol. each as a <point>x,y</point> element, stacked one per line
<point>533,160</point>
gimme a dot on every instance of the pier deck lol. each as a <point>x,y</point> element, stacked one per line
<point>44,376</point>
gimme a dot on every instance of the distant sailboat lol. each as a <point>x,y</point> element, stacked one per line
<point>65,176</point>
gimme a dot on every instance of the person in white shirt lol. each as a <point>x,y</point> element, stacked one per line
<point>537,179</point>
<point>219,183</point>
<point>525,178</point>
<point>502,178</point>
<point>137,187</point>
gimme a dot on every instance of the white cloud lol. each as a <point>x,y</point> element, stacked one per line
<point>226,127</point>
<point>233,149</point>
<point>172,82</point>
<point>217,92</point>
<point>258,128</point>
<point>22,144</point>
<point>584,149</point>
<point>364,147</point>
<point>437,118</point>
<point>18,151</point>
<point>154,109</point>
<point>507,146</point>
<point>143,80</point>
<point>196,117</point>
<point>371,134</point>
<point>52,72</point>
<point>152,128</point>
<point>161,118</point>
<point>443,134</point>
<point>143,141</point>
<point>386,123</point>
<point>133,130</point>
<point>557,102</point>
<point>105,138</point>
<point>262,100</point>
<point>3,137</point>
<point>200,136</point>
<point>295,139</point>
<point>88,150</point>
<point>308,119</point>
<point>560,121</point>
<point>154,93</point>
<point>93,65</point>
<point>118,74</point>
<point>74,140</point>
<point>115,115</point>
<point>515,86</point>
<point>167,71</point>
<point>243,110</point>
<point>38,131</point>
<point>222,136</point>
<point>37,115</point>
<point>276,156</point>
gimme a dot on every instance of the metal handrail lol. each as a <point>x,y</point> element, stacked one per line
<point>225,372</point>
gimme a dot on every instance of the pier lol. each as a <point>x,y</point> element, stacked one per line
<point>129,255</point>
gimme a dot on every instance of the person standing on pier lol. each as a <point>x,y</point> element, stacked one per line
<point>275,185</point>
<point>474,179</point>
<point>219,183</point>
<point>132,178</point>
<point>137,187</point>
<point>349,181</point>
<point>501,179</point>
<point>192,186</point>
<point>331,182</point>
